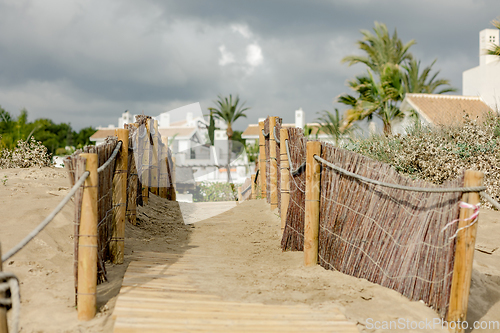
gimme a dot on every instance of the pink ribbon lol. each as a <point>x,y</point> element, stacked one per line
<point>473,217</point>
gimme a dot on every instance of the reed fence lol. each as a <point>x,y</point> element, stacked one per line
<point>108,183</point>
<point>360,217</point>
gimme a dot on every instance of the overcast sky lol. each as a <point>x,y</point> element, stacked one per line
<point>87,61</point>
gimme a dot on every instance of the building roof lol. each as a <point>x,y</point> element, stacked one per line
<point>102,134</point>
<point>185,132</point>
<point>252,131</point>
<point>445,109</point>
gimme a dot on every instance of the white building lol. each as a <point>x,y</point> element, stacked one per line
<point>188,140</point>
<point>484,80</point>
<point>251,133</point>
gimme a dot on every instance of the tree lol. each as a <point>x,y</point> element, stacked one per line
<point>392,72</point>
<point>494,49</point>
<point>381,49</point>
<point>416,82</point>
<point>229,111</point>
<point>331,124</point>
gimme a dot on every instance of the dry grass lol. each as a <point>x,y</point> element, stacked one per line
<point>29,153</point>
<point>440,153</point>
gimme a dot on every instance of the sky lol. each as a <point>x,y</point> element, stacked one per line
<point>87,61</point>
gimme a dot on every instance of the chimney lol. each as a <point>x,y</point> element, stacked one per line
<point>300,120</point>
<point>189,118</point>
<point>487,39</point>
<point>164,120</point>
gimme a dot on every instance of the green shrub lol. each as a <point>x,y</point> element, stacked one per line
<point>437,154</point>
<point>25,155</point>
<point>209,192</point>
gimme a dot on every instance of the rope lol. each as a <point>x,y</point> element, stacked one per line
<point>47,220</point>
<point>246,190</point>
<point>400,187</point>
<point>275,137</point>
<point>264,134</point>
<point>256,176</point>
<point>492,201</point>
<point>12,285</point>
<point>301,167</point>
<point>111,158</point>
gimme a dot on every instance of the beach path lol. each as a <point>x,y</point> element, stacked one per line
<point>159,294</point>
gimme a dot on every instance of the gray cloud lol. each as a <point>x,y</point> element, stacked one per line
<point>85,62</point>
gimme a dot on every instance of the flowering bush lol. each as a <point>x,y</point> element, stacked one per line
<point>440,153</point>
<point>25,155</point>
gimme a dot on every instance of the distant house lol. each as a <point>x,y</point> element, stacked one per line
<point>483,80</point>
<point>188,140</point>
<point>251,133</point>
<point>437,109</point>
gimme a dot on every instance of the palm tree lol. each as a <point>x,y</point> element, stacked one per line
<point>416,82</point>
<point>375,98</point>
<point>331,124</point>
<point>381,49</point>
<point>229,111</point>
<point>495,49</point>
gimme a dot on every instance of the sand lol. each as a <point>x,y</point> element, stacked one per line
<point>245,262</point>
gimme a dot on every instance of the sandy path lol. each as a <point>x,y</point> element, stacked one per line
<point>245,261</point>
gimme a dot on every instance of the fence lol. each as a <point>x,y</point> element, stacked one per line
<point>358,216</point>
<point>107,182</point>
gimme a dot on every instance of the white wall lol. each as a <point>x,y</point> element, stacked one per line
<point>483,81</point>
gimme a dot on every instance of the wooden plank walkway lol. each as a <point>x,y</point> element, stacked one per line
<point>158,295</point>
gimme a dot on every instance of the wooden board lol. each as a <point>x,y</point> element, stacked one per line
<point>158,295</point>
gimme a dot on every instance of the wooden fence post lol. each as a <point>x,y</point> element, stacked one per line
<point>4,328</point>
<point>155,172</point>
<point>262,161</point>
<point>285,174</point>
<point>87,246</point>
<point>132,183</point>
<point>117,244</point>
<point>240,196</point>
<point>145,165</point>
<point>273,165</point>
<point>254,192</point>
<point>464,255</point>
<point>311,223</point>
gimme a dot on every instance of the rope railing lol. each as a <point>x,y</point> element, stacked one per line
<point>264,134</point>
<point>246,190</point>
<point>47,220</point>
<point>275,136</point>
<point>111,158</point>
<point>400,187</point>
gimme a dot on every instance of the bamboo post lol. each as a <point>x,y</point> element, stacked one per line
<point>254,192</point>
<point>146,165</point>
<point>262,160</point>
<point>273,165</point>
<point>464,255</point>
<point>240,196</point>
<point>87,246</point>
<point>311,223</point>
<point>132,181</point>
<point>4,328</point>
<point>117,243</point>
<point>154,158</point>
<point>285,174</point>
<point>171,193</point>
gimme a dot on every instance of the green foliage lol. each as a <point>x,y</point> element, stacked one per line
<point>437,154</point>
<point>252,151</point>
<point>331,124</point>
<point>52,135</point>
<point>392,72</point>
<point>210,192</point>
<point>4,180</point>
<point>494,49</point>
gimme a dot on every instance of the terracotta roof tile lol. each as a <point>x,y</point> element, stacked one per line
<point>447,109</point>
<point>102,134</point>
<point>180,131</point>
